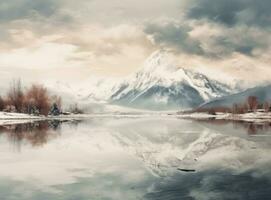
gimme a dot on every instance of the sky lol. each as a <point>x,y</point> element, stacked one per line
<point>74,40</point>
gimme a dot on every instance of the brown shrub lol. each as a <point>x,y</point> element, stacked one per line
<point>37,98</point>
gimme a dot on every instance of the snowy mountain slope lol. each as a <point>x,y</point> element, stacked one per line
<point>161,85</point>
<point>262,93</point>
<point>158,85</point>
<point>206,146</point>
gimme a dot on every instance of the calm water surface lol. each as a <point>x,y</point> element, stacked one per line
<point>141,158</point>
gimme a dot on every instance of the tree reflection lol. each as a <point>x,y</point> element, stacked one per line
<point>36,133</point>
<point>252,128</point>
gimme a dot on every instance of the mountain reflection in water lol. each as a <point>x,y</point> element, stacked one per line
<point>135,159</point>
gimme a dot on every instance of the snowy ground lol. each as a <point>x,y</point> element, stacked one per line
<point>256,117</point>
<point>17,118</point>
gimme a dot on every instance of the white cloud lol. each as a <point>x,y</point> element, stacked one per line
<point>48,55</point>
<point>108,37</point>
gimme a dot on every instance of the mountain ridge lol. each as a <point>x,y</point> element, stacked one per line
<point>160,85</point>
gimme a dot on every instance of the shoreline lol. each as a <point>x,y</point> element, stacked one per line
<point>257,117</point>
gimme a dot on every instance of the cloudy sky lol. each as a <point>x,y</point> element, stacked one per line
<point>67,39</point>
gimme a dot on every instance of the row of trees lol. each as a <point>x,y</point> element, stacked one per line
<point>251,105</point>
<point>34,100</point>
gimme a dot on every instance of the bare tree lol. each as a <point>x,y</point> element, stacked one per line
<point>2,103</point>
<point>57,100</point>
<point>252,103</point>
<point>75,109</point>
<point>235,109</point>
<point>15,95</point>
<point>239,108</point>
<point>266,106</point>
<point>245,108</point>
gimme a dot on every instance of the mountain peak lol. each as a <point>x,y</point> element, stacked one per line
<point>159,61</point>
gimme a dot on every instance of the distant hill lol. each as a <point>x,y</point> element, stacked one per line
<point>262,93</point>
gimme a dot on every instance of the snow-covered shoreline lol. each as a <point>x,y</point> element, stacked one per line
<point>19,118</point>
<point>257,117</point>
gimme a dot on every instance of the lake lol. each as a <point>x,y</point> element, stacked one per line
<point>135,158</point>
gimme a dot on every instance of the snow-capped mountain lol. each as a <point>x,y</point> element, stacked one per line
<point>161,85</point>
<point>158,85</point>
